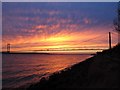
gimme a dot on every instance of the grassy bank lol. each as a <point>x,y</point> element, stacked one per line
<point>100,71</point>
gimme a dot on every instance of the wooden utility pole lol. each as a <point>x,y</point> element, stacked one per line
<point>110,46</point>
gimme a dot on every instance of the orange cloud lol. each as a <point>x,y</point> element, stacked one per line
<point>87,21</point>
<point>40,27</point>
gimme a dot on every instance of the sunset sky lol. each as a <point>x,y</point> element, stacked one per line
<point>59,26</point>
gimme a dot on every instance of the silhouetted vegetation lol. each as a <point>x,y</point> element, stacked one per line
<point>117,22</point>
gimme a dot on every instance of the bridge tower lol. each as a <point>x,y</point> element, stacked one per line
<point>8,48</point>
<point>110,41</point>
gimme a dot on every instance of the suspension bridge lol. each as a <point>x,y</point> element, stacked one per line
<point>98,43</point>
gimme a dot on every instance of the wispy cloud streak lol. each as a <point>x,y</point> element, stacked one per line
<point>55,25</point>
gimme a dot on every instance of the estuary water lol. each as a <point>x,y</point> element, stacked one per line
<point>23,69</point>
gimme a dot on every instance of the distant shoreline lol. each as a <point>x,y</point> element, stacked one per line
<point>48,53</point>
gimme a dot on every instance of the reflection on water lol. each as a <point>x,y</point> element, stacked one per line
<point>21,69</point>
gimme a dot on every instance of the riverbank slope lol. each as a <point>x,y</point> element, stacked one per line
<point>99,71</point>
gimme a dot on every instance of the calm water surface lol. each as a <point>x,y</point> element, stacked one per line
<point>24,69</point>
